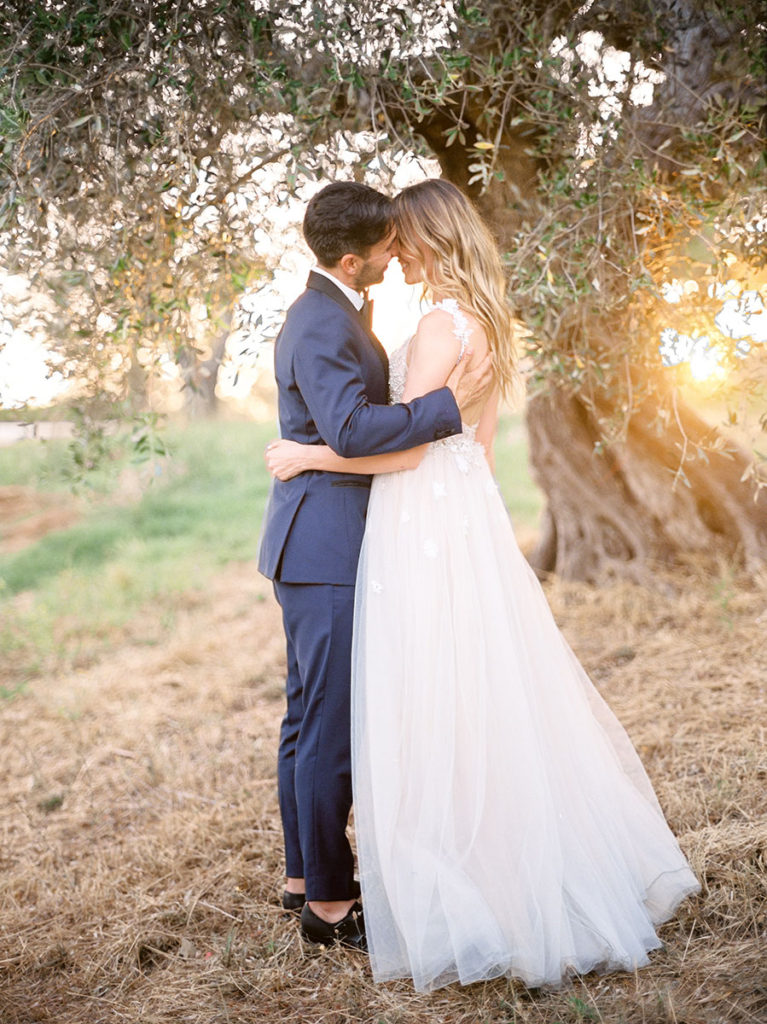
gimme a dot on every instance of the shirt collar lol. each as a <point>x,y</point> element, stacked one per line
<point>353,296</point>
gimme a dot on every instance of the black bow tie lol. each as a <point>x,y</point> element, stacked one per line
<point>367,311</point>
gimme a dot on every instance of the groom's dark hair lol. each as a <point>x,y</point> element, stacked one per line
<point>346,217</point>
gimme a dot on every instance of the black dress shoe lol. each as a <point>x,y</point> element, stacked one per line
<point>349,931</point>
<point>293,900</point>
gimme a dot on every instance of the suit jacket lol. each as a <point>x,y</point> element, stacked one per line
<point>332,379</point>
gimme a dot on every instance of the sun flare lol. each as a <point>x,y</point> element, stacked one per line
<point>706,363</point>
<point>740,323</point>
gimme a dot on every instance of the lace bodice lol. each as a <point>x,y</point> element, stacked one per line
<point>398,373</point>
<point>463,444</point>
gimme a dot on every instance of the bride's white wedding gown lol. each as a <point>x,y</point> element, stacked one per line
<point>504,822</point>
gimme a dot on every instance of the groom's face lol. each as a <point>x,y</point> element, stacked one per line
<point>373,267</point>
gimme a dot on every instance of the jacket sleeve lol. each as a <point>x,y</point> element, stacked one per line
<point>329,376</point>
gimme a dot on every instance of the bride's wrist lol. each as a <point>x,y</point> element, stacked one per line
<point>312,457</point>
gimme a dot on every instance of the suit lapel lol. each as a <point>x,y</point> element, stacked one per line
<point>320,283</point>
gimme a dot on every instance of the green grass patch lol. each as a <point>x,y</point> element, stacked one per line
<point>201,511</point>
<point>77,585</point>
<point>523,498</point>
<point>32,464</point>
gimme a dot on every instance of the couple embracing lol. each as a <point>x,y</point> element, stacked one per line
<point>504,822</point>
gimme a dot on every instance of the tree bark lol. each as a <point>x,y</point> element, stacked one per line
<point>201,377</point>
<point>620,512</point>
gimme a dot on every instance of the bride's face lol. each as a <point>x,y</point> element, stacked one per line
<point>412,262</point>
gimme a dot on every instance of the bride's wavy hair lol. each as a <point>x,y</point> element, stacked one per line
<point>466,266</point>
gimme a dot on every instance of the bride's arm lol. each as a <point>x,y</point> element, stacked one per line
<point>286,459</point>
<point>433,355</point>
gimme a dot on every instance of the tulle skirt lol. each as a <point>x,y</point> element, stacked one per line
<point>504,822</point>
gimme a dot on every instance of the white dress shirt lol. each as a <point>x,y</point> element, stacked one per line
<point>353,296</point>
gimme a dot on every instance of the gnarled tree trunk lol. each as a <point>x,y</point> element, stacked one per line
<point>621,511</point>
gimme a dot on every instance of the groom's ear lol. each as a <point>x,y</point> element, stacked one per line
<point>350,263</point>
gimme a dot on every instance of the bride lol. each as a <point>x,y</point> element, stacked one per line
<point>504,822</point>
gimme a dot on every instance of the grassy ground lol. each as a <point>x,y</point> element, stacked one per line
<point>140,858</point>
<point>144,538</point>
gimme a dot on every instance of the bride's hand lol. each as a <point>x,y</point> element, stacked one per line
<point>286,459</point>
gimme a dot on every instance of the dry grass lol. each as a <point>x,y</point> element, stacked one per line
<point>140,837</point>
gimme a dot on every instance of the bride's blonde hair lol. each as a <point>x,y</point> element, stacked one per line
<point>437,216</point>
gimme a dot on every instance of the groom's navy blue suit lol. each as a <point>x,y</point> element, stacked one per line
<point>332,379</point>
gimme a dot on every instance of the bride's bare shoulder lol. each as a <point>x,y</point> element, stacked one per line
<point>436,320</point>
<point>450,321</point>
<point>436,333</point>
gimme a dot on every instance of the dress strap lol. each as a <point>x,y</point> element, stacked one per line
<point>460,323</point>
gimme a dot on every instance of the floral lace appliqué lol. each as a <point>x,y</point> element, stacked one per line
<point>460,323</point>
<point>398,374</point>
<point>465,447</point>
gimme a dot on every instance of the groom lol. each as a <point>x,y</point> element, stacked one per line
<point>332,380</point>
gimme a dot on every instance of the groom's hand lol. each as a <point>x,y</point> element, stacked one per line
<point>470,385</point>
